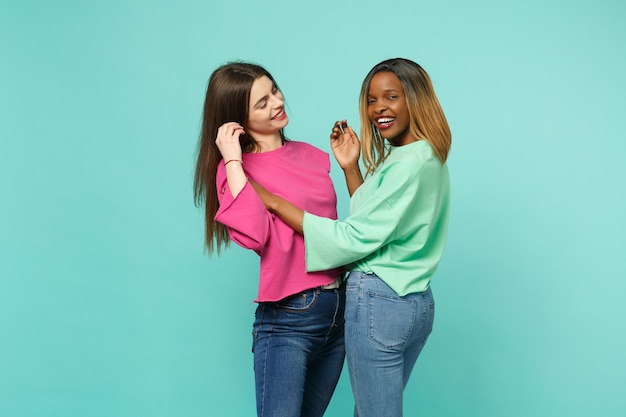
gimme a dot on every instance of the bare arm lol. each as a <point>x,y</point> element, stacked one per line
<point>227,142</point>
<point>347,149</point>
<point>289,213</point>
<point>354,178</point>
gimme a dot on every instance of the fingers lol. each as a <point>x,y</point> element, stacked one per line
<point>227,140</point>
<point>342,124</point>
<point>336,131</point>
<point>352,134</point>
<point>230,130</point>
<point>338,128</point>
<point>231,124</point>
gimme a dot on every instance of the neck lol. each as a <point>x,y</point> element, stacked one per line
<point>268,143</point>
<point>404,138</point>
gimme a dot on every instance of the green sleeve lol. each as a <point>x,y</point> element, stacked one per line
<point>372,224</point>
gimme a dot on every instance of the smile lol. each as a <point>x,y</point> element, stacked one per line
<point>280,115</point>
<point>385,122</point>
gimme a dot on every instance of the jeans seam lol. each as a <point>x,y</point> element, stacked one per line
<point>265,364</point>
<point>334,325</point>
<point>431,307</point>
<point>359,292</point>
<point>265,354</point>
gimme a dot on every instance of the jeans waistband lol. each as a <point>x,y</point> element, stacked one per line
<point>333,285</point>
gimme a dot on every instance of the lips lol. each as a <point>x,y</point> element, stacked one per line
<point>385,122</point>
<point>280,115</point>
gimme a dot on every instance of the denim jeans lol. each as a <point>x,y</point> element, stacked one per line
<point>385,334</point>
<point>298,346</point>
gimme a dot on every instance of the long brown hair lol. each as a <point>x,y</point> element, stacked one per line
<point>227,100</point>
<point>427,120</point>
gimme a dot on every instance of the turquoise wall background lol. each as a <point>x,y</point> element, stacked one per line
<point>109,306</point>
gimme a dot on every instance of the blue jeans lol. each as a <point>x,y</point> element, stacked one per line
<point>385,334</point>
<point>298,346</point>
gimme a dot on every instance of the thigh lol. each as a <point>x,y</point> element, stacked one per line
<point>421,330</point>
<point>374,340</point>
<point>326,364</point>
<point>287,336</point>
<point>280,359</point>
<point>380,328</point>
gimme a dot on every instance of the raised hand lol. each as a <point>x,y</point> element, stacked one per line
<point>347,148</point>
<point>345,145</point>
<point>227,140</point>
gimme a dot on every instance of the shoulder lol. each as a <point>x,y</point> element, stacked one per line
<point>413,159</point>
<point>308,152</point>
<point>420,153</point>
<point>305,147</point>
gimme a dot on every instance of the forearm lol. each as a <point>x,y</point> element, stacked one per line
<point>235,176</point>
<point>286,211</point>
<point>354,178</point>
<point>289,213</point>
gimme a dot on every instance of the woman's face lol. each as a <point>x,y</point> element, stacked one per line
<point>387,108</point>
<point>266,114</point>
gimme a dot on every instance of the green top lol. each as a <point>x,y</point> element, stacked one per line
<point>397,224</point>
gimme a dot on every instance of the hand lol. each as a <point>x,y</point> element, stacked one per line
<point>227,140</point>
<point>345,145</point>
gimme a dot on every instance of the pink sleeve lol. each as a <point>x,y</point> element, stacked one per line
<point>245,216</point>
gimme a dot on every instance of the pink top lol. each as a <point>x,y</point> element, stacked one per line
<point>298,172</point>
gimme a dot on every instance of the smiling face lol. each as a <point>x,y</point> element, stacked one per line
<point>266,114</point>
<point>387,108</point>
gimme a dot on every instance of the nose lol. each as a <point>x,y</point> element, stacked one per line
<point>380,107</point>
<point>276,101</point>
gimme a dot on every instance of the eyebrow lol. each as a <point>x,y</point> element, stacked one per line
<point>389,90</point>
<point>259,101</point>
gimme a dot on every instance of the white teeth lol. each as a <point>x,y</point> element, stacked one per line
<point>386,120</point>
<point>280,113</point>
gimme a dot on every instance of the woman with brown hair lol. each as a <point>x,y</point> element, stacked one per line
<point>298,341</point>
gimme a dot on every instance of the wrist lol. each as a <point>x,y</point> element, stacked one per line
<point>228,161</point>
<point>351,168</point>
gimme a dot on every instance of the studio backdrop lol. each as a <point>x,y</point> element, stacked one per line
<point>109,305</point>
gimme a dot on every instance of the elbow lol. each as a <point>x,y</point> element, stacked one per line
<point>248,242</point>
<point>254,239</point>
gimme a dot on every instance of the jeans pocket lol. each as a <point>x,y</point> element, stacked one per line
<point>391,319</point>
<point>299,302</point>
